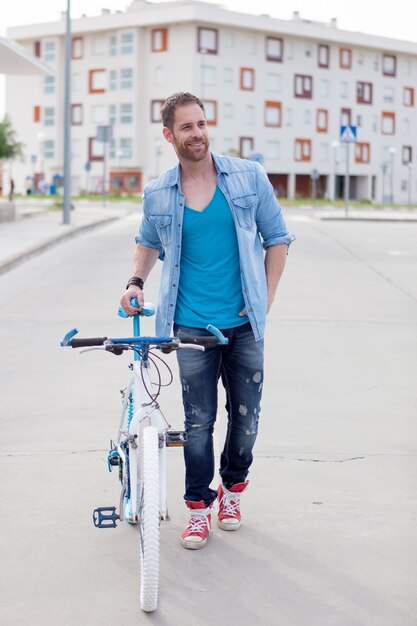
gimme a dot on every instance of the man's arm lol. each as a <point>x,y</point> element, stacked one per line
<point>275,259</point>
<point>144,259</point>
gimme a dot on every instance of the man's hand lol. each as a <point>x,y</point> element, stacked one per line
<point>132,292</point>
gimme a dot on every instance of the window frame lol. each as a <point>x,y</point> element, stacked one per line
<point>306,93</point>
<point>91,156</point>
<point>406,150</point>
<point>242,140</point>
<point>164,40</point>
<point>250,71</point>
<point>362,152</point>
<point>323,46</point>
<point>342,52</point>
<point>411,91</point>
<point>74,107</point>
<point>386,115</point>
<point>204,49</point>
<point>268,55</point>
<point>154,103</point>
<point>273,105</point>
<point>79,40</point>
<point>320,128</point>
<point>211,122</point>
<point>91,74</point>
<point>302,143</point>
<point>385,57</point>
<point>361,87</point>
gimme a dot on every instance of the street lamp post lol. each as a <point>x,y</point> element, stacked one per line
<point>410,167</point>
<point>335,148</point>
<point>67,121</point>
<point>392,154</point>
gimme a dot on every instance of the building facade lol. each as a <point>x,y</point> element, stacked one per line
<point>277,91</point>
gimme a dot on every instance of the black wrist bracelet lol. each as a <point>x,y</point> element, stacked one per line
<point>135,280</point>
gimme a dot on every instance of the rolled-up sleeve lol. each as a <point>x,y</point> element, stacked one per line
<point>270,221</point>
<point>148,235</point>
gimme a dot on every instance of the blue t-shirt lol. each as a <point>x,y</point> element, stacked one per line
<point>210,285</point>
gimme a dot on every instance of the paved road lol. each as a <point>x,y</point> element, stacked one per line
<point>329,519</point>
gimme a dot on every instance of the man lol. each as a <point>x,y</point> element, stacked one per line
<point>209,219</point>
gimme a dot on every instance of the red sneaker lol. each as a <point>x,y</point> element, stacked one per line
<point>229,503</point>
<point>195,535</point>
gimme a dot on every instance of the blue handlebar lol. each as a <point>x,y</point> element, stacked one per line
<point>147,309</point>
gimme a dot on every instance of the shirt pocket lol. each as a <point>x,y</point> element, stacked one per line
<point>162,224</point>
<point>245,210</point>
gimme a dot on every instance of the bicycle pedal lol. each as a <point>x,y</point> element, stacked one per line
<point>175,438</point>
<point>113,459</point>
<point>105,517</point>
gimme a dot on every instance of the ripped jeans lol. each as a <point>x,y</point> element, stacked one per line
<point>240,366</point>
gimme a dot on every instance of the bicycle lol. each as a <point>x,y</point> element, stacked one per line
<point>139,451</point>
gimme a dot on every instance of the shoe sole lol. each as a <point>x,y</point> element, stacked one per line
<point>193,545</point>
<point>225,526</point>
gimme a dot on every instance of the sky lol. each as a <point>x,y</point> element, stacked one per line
<point>368,16</point>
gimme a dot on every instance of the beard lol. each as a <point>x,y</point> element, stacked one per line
<point>192,150</point>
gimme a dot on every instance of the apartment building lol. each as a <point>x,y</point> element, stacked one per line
<point>277,91</point>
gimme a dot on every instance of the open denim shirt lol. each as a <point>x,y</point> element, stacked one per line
<point>258,220</point>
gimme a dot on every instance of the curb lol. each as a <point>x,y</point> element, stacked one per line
<point>37,249</point>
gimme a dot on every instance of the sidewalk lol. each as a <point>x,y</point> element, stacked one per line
<point>38,228</point>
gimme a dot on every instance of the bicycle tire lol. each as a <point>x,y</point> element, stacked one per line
<point>149,520</point>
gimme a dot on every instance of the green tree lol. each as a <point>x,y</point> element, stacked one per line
<point>10,148</point>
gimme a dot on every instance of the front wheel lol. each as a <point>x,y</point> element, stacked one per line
<point>149,520</point>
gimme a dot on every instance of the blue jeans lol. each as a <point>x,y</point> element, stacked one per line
<point>240,366</point>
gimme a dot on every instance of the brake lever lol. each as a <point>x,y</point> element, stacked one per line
<point>90,349</point>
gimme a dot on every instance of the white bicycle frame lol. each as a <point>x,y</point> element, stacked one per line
<point>146,413</point>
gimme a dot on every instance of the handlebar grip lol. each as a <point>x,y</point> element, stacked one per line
<point>200,341</point>
<point>89,341</point>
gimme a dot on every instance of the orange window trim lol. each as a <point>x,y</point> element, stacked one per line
<point>341,65</point>
<point>409,90</point>
<point>322,129</point>
<point>388,115</point>
<point>164,45</point>
<point>243,71</point>
<point>37,113</point>
<point>272,104</point>
<point>302,143</point>
<point>79,56</point>
<point>90,81</point>
<point>212,122</point>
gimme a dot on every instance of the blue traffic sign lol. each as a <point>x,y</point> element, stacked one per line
<point>347,134</point>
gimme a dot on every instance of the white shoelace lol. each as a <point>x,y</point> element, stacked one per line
<point>198,522</point>
<point>231,503</point>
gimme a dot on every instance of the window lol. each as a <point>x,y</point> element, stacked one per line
<point>388,94</point>
<point>308,51</point>
<point>251,45</point>
<point>37,113</point>
<point>49,51</point>
<point>273,82</point>
<point>407,155</point>
<point>113,45</point>
<point>302,150</point>
<point>95,149</point>
<point>228,75</point>
<point>322,120</point>
<point>98,46</point>
<point>76,114</point>
<point>389,65</point>
<point>273,150</point>
<point>273,115</point>
<point>77,48</point>
<point>307,116</point>
<point>405,127</point>
<point>303,86</point>
<point>274,49</point>
<point>97,81</point>
<point>323,152</point>
<point>75,148</point>
<point>324,88</point>
<point>359,121</point>
<point>126,113</point>
<point>112,114</point>
<point>345,117</point>
<point>245,147</point>
<point>112,149</point>
<point>208,75</point>
<point>156,110</point>
<point>49,116</point>
<point>362,152</point>
<point>49,84</point>
<point>126,78</point>
<point>229,40</point>
<point>288,117</point>
<point>126,43</point>
<point>99,114</point>
<point>388,123</point>
<point>408,97</point>
<point>126,148</point>
<point>227,110</point>
<point>158,75</point>
<point>77,82</point>
<point>364,93</point>
<point>323,55</point>
<point>247,79</point>
<point>37,48</point>
<point>207,40</point>
<point>210,108</point>
<point>159,40</point>
<point>48,149</point>
<point>345,58</point>
<point>249,115</point>
<point>112,80</point>
<point>344,90</point>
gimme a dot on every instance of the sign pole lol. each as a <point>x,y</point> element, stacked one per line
<point>347,181</point>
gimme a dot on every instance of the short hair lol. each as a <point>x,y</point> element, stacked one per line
<point>173,102</point>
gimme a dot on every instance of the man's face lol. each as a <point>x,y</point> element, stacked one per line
<point>189,135</point>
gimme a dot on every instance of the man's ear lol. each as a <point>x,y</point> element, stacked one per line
<point>167,134</point>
